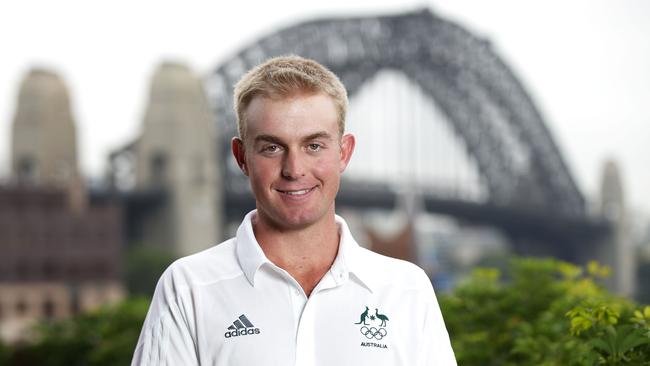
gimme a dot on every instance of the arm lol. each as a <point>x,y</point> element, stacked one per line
<point>166,336</point>
<point>436,346</point>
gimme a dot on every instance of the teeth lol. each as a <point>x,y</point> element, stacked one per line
<point>297,193</point>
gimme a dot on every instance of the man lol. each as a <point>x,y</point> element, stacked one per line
<point>293,287</point>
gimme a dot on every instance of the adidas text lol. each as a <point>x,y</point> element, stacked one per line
<point>242,332</point>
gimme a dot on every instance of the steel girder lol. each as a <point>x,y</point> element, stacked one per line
<point>484,102</point>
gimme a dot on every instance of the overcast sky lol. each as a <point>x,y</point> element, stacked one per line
<point>585,63</point>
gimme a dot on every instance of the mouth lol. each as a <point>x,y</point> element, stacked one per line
<point>297,192</point>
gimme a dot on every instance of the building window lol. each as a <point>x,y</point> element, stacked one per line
<point>26,170</point>
<point>21,307</point>
<point>74,300</point>
<point>49,309</point>
<point>159,167</point>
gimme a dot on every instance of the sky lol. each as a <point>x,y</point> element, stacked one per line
<point>586,64</point>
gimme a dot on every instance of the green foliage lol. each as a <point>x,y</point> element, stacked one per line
<point>548,312</point>
<point>535,312</point>
<point>144,265</point>
<point>102,338</point>
<point>617,333</point>
<point>4,354</point>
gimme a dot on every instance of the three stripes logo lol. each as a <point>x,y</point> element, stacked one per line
<point>241,327</point>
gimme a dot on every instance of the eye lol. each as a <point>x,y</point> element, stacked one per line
<point>314,147</point>
<point>271,148</point>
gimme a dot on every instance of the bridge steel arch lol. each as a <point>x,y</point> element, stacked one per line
<point>485,103</point>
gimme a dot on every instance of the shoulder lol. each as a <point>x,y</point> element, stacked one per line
<point>208,266</point>
<point>387,271</point>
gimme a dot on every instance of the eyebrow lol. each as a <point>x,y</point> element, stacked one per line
<point>277,140</point>
<point>318,135</point>
<point>268,138</point>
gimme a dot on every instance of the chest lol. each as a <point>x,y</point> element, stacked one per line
<point>275,324</point>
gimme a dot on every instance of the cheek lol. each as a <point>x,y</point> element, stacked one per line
<point>328,168</point>
<point>261,171</point>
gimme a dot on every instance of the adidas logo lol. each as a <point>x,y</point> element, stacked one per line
<point>241,327</point>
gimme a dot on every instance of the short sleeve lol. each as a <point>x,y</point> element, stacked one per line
<point>436,346</point>
<point>166,336</point>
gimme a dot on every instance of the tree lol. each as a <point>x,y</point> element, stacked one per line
<point>144,265</point>
<point>101,338</point>
<point>549,312</point>
<point>4,354</point>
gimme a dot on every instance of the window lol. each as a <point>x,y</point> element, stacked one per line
<point>49,308</point>
<point>158,169</point>
<point>21,307</point>
<point>26,170</point>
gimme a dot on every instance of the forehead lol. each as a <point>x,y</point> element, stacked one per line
<point>295,115</point>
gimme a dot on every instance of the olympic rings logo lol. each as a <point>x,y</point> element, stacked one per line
<point>373,332</point>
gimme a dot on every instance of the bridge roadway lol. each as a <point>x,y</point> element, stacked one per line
<point>530,231</point>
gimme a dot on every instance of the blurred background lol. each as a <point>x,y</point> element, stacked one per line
<point>485,130</point>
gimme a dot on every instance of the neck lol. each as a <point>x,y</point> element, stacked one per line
<point>306,253</point>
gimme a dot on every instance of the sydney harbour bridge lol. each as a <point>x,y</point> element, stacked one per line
<point>439,119</point>
<point>444,129</point>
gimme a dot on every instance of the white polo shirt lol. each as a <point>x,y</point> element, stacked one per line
<point>229,305</point>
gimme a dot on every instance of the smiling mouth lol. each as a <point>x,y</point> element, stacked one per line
<point>299,192</point>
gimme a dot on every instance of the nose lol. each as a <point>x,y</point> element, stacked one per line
<point>293,165</point>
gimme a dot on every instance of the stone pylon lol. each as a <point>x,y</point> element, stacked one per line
<point>44,137</point>
<point>176,153</point>
<point>619,251</point>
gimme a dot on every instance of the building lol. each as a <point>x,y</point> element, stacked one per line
<point>60,253</point>
<point>175,199</point>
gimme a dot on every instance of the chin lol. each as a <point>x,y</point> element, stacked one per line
<point>294,220</point>
<point>300,221</point>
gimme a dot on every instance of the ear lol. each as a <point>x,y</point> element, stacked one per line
<point>239,152</point>
<point>347,148</point>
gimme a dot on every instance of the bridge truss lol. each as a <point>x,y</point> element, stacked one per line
<point>529,186</point>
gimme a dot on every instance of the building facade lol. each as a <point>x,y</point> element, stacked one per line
<point>59,253</point>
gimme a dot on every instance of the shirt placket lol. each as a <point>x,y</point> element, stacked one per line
<point>298,302</point>
<point>306,334</point>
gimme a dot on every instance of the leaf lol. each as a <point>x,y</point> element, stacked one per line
<point>629,338</point>
<point>569,271</point>
<point>602,345</point>
<point>596,270</point>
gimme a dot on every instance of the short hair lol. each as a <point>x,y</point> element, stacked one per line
<point>286,76</point>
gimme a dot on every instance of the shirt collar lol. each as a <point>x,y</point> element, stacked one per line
<point>249,253</point>
<point>348,261</point>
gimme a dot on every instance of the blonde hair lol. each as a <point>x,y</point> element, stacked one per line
<point>286,76</point>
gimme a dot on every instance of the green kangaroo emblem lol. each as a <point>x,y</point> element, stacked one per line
<point>364,315</point>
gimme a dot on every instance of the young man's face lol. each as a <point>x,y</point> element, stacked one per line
<point>293,156</point>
